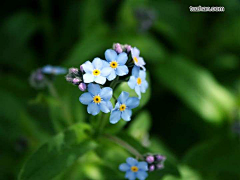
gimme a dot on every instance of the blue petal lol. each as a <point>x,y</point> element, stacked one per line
<point>110,55</point>
<point>135,71</point>
<point>142,175</point>
<point>94,89</point>
<point>106,71</point>
<point>97,63</point>
<point>131,161</point>
<point>142,75</point>
<point>93,108</point>
<point>135,52</point>
<point>122,70</point>
<point>130,175</point>
<point>105,63</point>
<point>123,97</point>
<point>143,166</point>
<point>124,167</point>
<point>132,102</point>
<point>132,82</point>
<point>115,116</point>
<point>87,67</point>
<point>137,90</point>
<point>100,79</point>
<point>117,105</point>
<point>86,98</point>
<point>60,70</point>
<point>47,69</point>
<point>88,78</point>
<point>106,93</point>
<point>112,75</point>
<point>104,107</point>
<point>126,114</point>
<point>144,86</point>
<point>122,58</point>
<point>109,104</point>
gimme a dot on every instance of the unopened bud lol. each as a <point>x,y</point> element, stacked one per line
<point>149,159</point>
<point>151,168</point>
<point>82,86</point>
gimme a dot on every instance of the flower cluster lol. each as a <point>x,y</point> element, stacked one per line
<point>155,162</point>
<point>41,76</point>
<point>99,79</point>
<point>101,76</point>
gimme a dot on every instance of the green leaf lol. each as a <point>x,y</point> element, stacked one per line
<point>140,126</point>
<point>57,154</point>
<point>197,88</point>
<point>215,156</point>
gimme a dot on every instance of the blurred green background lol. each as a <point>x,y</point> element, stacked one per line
<point>190,114</point>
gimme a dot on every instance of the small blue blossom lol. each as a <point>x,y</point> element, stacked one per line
<point>138,81</point>
<point>123,108</point>
<point>97,99</point>
<point>117,63</point>
<point>97,71</point>
<point>138,61</point>
<point>134,169</point>
<point>54,70</point>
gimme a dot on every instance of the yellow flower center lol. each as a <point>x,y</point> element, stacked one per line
<point>97,99</point>
<point>122,107</point>
<point>134,168</point>
<point>114,64</point>
<point>96,72</point>
<point>135,59</point>
<point>139,81</point>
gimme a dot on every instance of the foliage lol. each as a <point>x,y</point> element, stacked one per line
<point>187,114</point>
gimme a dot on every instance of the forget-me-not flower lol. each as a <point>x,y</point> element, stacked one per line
<point>97,99</point>
<point>138,81</point>
<point>97,71</point>
<point>123,108</point>
<point>134,169</point>
<point>54,70</point>
<point>138,61</point>
<point>117,63</point>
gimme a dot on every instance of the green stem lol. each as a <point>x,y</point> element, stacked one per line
<point>55,94</point>
<point>124,145</point>
<point>101,123</point>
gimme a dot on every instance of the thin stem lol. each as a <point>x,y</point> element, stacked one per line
<point>101,124</point>
<point>125,145</point>
<point>55,94</point>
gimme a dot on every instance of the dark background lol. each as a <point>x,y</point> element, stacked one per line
<point>192,61</point>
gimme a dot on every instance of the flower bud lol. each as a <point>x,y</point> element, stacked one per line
<point>81,68</point>
<point>73,70</point>
<point>82,86</point>
<point>128,48</point>
<point>151,168</point>
<point>160,157</point>
<point>118,48</point>
<point>150,159</point>
<point>159,166</point>
<point>75,80</point>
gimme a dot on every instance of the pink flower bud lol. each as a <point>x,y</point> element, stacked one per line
<point>73,70</point>
<point>118,48</point>
<point>82,86</point>
<point>81,68</point>
<point>76,80</point>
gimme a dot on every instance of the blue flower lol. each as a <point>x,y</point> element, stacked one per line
<point>54,70</point>
<point>138,81</point>
<point>138,61</point>
<point>134,169</point>
<point>116,63</point>
<point>123,108</point>
<point>97,99</point>
<point>97,71</point>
